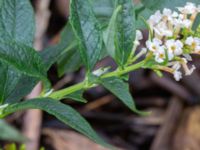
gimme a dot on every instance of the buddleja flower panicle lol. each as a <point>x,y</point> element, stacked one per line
<point>173,39</point>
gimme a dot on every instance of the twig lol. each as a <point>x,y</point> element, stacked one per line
<point>193,82</point>
<point>33,118</point>
<point>42,21</point>
<point>162,139</point>
<point>32,122</point>
<point>174,88</point>
<point>66,79</point>
<point>98,103</point>
<point>61,139</point>
<point>187,134</point>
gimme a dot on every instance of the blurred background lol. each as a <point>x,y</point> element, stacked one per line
<point>173,125</point>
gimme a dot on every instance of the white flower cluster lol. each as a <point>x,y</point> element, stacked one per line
<point>169,22</point>
<point>167,44</point>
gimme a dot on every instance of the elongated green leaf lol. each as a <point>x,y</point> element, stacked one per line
<point>10,147</point>
<point>17,21</point>
<point>103,8</point>
<point>142,12</point>
<point>10,133</point>
<point>22,88</point>
<point>77,96</point>
<point>66,50</point>
<point>196,23</point>
<point>65,53</point>
<point>23,58</point>
<point>109,33</point>
<point>120,89</point>
<point>70,59</point>
<point>62,112</point>
<point>125,31</point>
<point>52,54</point>
<point>87,31</point>
<point>23,147</point>
<point>9,79</point>
<point>69,62</point>
<point>160,4</point>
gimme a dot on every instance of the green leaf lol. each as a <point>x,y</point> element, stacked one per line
<point>109,33</point>
<point>63,112</point>
<point>161,4</point>
<point>142,12</point>
<point>65,53</point>
<point>120,89</point>
<point>1,2</point>
<point>67,49</point>
<point>87,31</point>
<point>23,88</point>
<point>52,54</point>
<point>11,146</point>
<point>103,8</point>
<point>125,31</point>
<point>69,62</point>
<point>22,147</point>
<point>77,96</point>
<point>196,22</point>
<point>23,58</point>
<point>49,56</point>
<point>9,79</point>
<point>17,21</point>
<point>9,133</point>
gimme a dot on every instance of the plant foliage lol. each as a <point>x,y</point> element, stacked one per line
<point>96,29</point>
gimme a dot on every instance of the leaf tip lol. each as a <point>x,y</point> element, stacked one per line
<point>141,113</point>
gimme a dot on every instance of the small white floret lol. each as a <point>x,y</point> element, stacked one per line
<point>153,45</point>
<point>160,55</point>
<point>174,46</point>
<point>188,9</point>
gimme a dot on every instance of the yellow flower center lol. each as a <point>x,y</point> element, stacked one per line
<point>173,48</point>
<point>154,47</point>
<point>161,56</point>
<point>193,45</point>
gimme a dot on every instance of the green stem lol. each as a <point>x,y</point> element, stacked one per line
<point>61,93</point>
<point>125,71</point>
<point>83,85</point>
